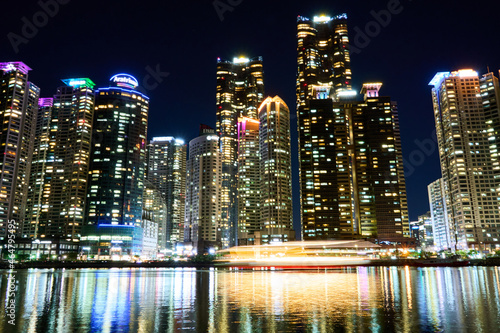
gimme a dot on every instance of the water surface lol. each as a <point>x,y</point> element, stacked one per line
<point>365,299</point>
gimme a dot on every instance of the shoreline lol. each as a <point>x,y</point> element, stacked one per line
<point>120,264</point>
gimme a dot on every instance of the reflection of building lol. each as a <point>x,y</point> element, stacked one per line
<point>117,170</point>
<point>203,186</point>
<point>240,89</point>
<point>350,160</point>
<point>18,110</point>
<point>248,180</point>
<point>443,239</point>
<point>465,111</point>
<point>167,172</point>
<point>276,210</point>
<point>56,203</point>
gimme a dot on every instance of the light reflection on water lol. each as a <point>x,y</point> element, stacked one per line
<point>366,299</point>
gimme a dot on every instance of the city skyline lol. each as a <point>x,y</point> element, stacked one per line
<point>392,59</point>
<point>413,155</point>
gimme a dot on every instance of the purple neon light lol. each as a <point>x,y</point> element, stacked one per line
<point>44,102</point>
<point>14,65</point>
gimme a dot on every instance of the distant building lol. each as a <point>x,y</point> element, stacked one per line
<point>154,211</point>
<point>276,211</point>
<point>117,171</point>
<point>443,238</point>
<point>466,111</point>
<point>61,158</point>
<point>425,235</point>
<point>203,187</point>
<point>18,111</point>
<point>167,172</point>
<point>240,90</point>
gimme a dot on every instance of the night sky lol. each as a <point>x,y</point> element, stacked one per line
<point>98,39</point>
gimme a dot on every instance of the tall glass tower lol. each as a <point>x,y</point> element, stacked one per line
<point>240,90</point>
<point>18,111</point>
<point>117,170</point>
<point>465,111</point>
<point>276,210</point>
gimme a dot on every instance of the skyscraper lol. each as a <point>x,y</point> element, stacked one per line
<point>443,239</point>
<point>323,57</point>
<point>350,160</point>
<point>18,111</point>
<point>60,172</point>
<point>167,172</point>
<point>203,187</point>
<point>276,210</point>
<point>240,90</point>
<point>117,170</point>
<point>466,141</point>
<point>248,180</point>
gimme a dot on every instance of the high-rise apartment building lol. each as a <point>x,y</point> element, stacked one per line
<point>465,111</point>
<point>276,211</point>
<point>61,163</point>
<point>443,238</point>
<point>18,111</point>
<point>203,187</point>
<point>167,172</point>
<point>117,170</point>
<point>240,90</point>
<point>248,180</point>
<point>350,160</point>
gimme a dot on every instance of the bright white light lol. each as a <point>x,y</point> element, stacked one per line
<point>163,138</point>
<point>322,19</point>
<point>467,73</point>
<point>240,60</point>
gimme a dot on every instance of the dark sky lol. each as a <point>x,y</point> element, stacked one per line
<point>97,39</point>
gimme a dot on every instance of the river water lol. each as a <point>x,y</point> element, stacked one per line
<point>364,299</point>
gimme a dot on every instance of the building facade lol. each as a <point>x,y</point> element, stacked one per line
<point>18,111</point>
<point>117,170</point>
<point>167,172</point>
<point>202,222</point>
<point>240,90</point>
<point>276,211</point>
<point>464,121</point>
